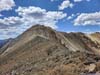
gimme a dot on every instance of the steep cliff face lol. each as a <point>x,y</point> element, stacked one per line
<point>43,51</point>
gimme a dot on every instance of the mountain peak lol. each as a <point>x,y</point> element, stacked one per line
<point>40,30</point>
<point>40,27</point>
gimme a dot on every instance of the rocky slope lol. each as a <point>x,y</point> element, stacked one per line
<point>43,51</point>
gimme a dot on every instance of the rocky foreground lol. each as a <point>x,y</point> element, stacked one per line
<point>43,51</point>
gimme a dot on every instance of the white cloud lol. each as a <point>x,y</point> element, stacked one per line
<point>36,15</point>
<point>88,19</point>
<point>6,4</point>
<point>10,22</point>
<point>54,0</point>
<point>78,0</point>
<point>65,4</point>
<point>10,32</point>
<point>70,17</point>
<point>10,27</point>
<point>29,16</point>
<point>81,0</point>
<point>68,3</point>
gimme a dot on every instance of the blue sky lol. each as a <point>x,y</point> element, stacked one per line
<point>16,16</point>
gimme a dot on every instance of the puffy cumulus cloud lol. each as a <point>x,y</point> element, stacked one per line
<point>88,19</point>
<point>10,22</point>
<point>34,12</point>
<point>36,15</point>
<point>80,0</point>
<point>68,3</point>
<point>70,17</point>
<point>54,0</point>
<point>10,27</point>
<point>28,16</point>
<point>65,4</point>
<point>6,4</point>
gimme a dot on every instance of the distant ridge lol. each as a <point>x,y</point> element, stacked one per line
<point>3,42</point>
